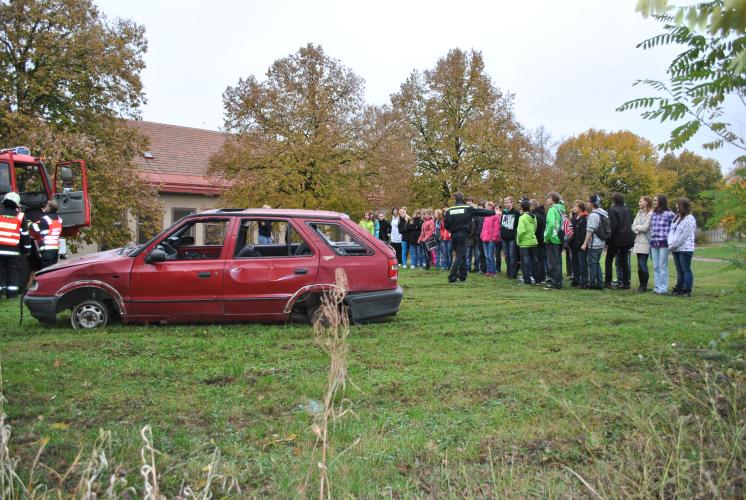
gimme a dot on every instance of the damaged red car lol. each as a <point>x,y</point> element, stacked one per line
<point>225,265</point>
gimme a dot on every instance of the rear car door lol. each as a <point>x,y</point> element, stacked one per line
<point>262,273</point>
<point>188,285</point>
<point>70,186</point>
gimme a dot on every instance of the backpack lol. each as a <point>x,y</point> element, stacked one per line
<point>567,229</point>
<point>603,231</point>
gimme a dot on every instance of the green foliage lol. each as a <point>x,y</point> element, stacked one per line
<point>730,203</point>
<point>463,131</point>
<point>701,78</point>
<point>67,78</point>
<point>299,138</point>
<point>608,162</point>
<point>693,176</point>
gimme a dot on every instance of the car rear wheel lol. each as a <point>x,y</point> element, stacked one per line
<point>89,314</point>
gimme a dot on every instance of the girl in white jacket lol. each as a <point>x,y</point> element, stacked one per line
<point>681,244</point>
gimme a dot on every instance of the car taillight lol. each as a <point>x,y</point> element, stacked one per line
<point>393,269</point>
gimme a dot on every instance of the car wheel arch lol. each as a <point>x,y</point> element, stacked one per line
<point>74,293</point>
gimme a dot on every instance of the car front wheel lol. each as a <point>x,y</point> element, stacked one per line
<point>89,314</point>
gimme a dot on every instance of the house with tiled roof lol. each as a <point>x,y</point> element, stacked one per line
<point>176,164</point>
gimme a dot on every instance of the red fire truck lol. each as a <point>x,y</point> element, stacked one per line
<point>68,185</point>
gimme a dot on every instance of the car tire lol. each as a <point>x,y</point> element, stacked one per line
<point>89,314</point>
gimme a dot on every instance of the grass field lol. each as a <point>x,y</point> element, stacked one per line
<point>481,388</point>
<point>726,251</point>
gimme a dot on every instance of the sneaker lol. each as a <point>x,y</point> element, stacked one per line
<point>411,267</point>
<point>641,289</point>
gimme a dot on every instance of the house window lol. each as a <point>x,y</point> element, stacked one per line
<point>179,213</point>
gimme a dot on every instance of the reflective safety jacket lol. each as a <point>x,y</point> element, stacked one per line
<point>50,229</point>
<point>13,232</point>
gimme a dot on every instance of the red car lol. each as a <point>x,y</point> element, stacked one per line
<point>225,265</point>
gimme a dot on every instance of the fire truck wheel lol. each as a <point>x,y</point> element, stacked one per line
<point>90,313</point>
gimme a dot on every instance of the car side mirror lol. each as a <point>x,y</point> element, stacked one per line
<point>157,255</point>
<point>66,175</point>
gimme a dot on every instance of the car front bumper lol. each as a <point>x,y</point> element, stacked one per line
<point>42,308</point>
<point>371,305</point>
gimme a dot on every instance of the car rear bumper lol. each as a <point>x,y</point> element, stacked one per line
<point>371,305</point>
<point>42,308</point>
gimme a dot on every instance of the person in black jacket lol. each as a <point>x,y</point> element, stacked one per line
<point>458,220</point>
<point>508,226</point>
<point>621,241</point>
<point>537,209</point>
<point>384,228</point>
<point>578,255</point>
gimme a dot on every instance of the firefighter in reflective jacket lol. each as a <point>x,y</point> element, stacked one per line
<point>457,220</point>
<point>14,239</point>
<point>50,229</point>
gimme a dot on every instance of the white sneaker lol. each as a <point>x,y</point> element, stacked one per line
<point>411,267</point>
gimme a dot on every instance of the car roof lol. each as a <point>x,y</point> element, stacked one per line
<point>276,212</point>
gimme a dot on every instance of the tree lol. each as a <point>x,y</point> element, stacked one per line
<point>729,203</point>
<point>300,137</point>
<point>693,176</point>
<point>463,132</point>
<point>68,77</point>
<point>606,162</point>
<point>701,78</point>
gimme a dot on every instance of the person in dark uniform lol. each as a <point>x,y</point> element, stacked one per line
<point>457,221</point>
<point>14,238</point>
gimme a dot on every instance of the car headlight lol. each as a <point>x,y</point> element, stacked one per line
<point>33,287</point>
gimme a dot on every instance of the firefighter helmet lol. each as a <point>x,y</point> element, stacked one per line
<point>13,197</point>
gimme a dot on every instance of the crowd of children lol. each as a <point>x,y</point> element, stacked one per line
<point>532,236</point>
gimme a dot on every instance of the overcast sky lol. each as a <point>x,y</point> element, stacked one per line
<point>569,63</point>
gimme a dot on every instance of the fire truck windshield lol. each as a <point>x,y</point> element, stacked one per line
<point>29,179</point>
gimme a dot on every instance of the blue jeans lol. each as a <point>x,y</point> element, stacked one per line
<point>498,256</point>
<point>510,247</point>
<point>419,257</point>
<point>643,274</point>
<point>444,254</point>
<point>489,254</point>
<point>595,275</point>
<point>406,247</point>
<point>660,268</point>
<point>579,267</point>
<point>529,262</point>
<point>265,240</point>
<point>684,276</point>
<point>472,255</point>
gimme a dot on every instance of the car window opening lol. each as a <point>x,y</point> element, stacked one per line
<point>339,239</point>
<point>261,238</point>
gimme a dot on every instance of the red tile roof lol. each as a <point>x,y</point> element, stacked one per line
<point>181,157</point>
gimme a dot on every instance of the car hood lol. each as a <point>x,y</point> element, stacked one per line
<point>107,256</point>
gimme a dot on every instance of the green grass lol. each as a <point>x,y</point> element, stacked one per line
<point>724,251</point>
<point>471,384</point>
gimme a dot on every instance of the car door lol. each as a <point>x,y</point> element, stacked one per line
<point>188,285</point>
<point>260,276</point>
<point>70,186</point>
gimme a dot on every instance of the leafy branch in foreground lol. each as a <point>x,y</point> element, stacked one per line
<point>701,78</point>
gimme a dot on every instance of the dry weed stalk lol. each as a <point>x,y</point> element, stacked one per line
<point>91,479</point>
<point>331,330</point>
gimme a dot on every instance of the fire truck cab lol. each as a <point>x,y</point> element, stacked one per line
<point>25,174</point>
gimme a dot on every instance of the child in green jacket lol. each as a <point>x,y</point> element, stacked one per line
<point>527,242</point>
